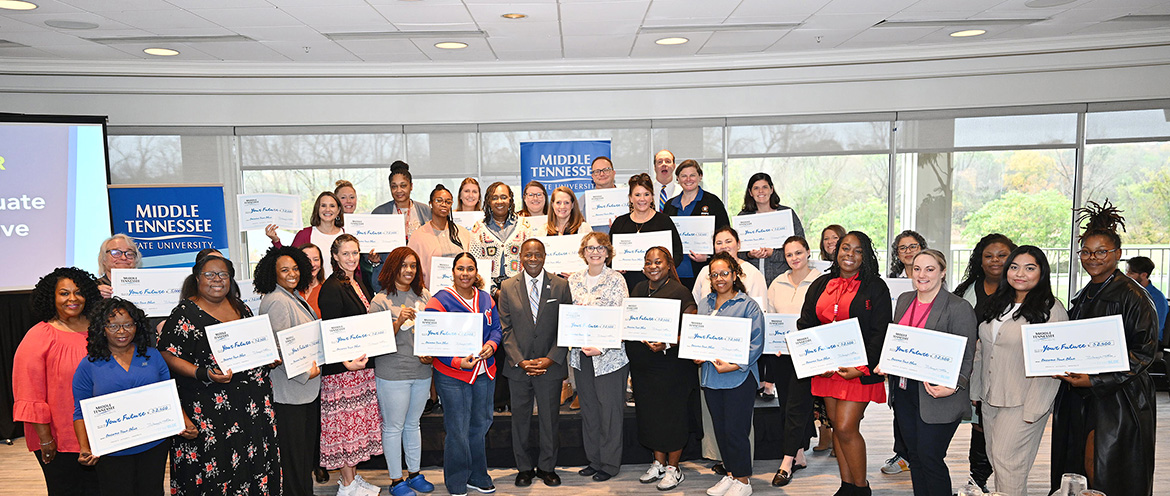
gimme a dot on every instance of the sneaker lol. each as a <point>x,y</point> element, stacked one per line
<point>364,486</point>
<point>739,489</point>
<point>652,474</point>
<point>420,483</point>
<point>671,478</point>
<point>401,489</point>
<point>488,489</point>
<point>895,465</point>
<point>350,490</point>
<point>721,488</point>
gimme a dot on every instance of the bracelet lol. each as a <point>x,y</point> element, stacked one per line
<point>51,441</point>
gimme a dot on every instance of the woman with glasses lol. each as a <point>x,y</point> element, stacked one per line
<point>118,252</point>
<point>236,448</point>
<point>535,200</point>
<point>1103,425</point>
<point>694,200</point>
<point>499,235</point>
<point>439,237</point>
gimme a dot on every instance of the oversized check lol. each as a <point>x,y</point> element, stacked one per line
<point>249,296</point>
<point>242,344</point>
<point>821,266</point>
<point>1090,346</point>
<point>300,346</point>
<point>448,334</point>
<point>561,253</point>
<point>154,291</point>
<point>379,232</point>
<point>710,337</point>
<point>466,219</point>
<point>897,285</point>
<point>776,328</point>
<point>537,223</point>
<point>132,417</point>
<point>654,320</point>
<point>258,210</point>
<point>697,233</point>
<point>923,355</point>
<point>630,249</point>
<point>348,338</point>
<point>826,347</point>
<point>581,326</point>
<point>766,230</point>
<point>602,206</point>
<point>441,275</point>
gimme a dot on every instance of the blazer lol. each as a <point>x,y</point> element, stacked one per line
<point>285,310</point>
<point>871,307</point>
<point>524,339</point>
<point>997,377</point>
<point>952,315</point>
<point>338,299</point>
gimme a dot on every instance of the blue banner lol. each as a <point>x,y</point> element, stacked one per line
<point>560,163</point>
<point>170,224</point>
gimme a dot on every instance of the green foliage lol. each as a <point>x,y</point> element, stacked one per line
<point>1041,218</point>
<point>867,216</point>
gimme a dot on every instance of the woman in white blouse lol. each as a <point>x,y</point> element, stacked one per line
<point>601,373</point>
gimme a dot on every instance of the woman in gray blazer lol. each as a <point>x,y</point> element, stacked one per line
<point>928,415</point>
<point>1015,407</point>
<point>298,415</point>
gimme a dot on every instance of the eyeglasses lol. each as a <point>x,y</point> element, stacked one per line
<point>215,275</point>
<point>1095,254</point>
<point>130,254</point>
<point>594,249</point>
<point>533,195</point>
<point>125,327</point>
<point>906,248</point>
<point>442,201</point>
<point>604,170</point>
<point>720,274</point>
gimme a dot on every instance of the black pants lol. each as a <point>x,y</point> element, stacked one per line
<point>545,391</point>
<point>925,443</point>
<point>731,419</point>
<point>796,404</point>
<point>297,428</point>
<point>65,477</point>
<point>140,474</point>
<point>899,443</point>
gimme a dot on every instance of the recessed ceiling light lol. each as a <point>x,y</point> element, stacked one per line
<point>1040,4</point>
<point>514,15</point>
<point>17,5</point>
<point>677,40</point>
<point>70,24</point>
<point>450,45</point>
<point>161,52</point>
<point>968,32</point>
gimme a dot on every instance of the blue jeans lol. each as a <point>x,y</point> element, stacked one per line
<point>401,403</point>
<point>467,415</point>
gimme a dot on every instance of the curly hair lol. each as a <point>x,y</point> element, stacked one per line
<point>1103,219</point>
<point>191,284</point>
<point>487,201</point>
<point>1037,303</point>
<point>393,267</point>
<point>43,300</point>
<point>896,265</point>
<point>478,278</point>
<point>733,266</point>
<point>98,345</point>
<point>264,278</point>
<point>974,271</point>
<point>601,239</point>
<point>870,268</point>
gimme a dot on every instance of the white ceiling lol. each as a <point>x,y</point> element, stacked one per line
<point>401,31</point>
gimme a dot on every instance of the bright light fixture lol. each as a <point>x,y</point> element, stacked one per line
<point>968,32</point>
<point>17,5</point>
<point>161,52</point>
<point>450,45</point>
<point>676,40</point>
<point>514,15</point>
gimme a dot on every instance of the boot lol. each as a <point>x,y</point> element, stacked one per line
<point>824,439</point>
<point>566,392</point>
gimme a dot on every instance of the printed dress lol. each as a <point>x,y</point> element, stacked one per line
<point>236,450</point>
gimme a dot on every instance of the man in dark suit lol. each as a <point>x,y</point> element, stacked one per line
<point>533,363</point>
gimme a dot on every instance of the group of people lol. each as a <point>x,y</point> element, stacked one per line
<point>262,431</point>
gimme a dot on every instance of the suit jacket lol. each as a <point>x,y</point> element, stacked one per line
<point>998,375</point>
<point>338,299</point>
<point>952,315</point>
<point>525,339</point>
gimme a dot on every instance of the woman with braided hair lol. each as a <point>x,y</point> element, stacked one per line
<point>1103,424</point>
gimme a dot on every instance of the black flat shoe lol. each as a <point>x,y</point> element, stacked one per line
<point>798,467</point>
<point>587,471</point>
<point>719,469</point>
<point>550,478</point>
<point>782,478</point>
<point>321,475</point>
<point>524,478</point>
<point>601,476</point>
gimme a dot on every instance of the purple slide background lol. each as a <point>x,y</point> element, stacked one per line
<point>36,164</point>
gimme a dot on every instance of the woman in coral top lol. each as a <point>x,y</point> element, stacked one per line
<point>853,288</point>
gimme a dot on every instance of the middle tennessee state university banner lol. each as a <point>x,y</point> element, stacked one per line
<point>170,224</point>
<point>560,163</point>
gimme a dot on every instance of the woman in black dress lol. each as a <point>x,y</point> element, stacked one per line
<point>665,387</point>
<point>642,219</point>
<point>236,450</point>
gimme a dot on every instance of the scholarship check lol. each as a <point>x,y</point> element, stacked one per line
<point>581,326</point>
<point>826,347</point>
<point>602,206</point>
<point>242,344</point>
<point>766,230</point>
<point>1090,346</point>
<point>897,286</point>
<point>128,418</point>
<point>630,249</point>
<point>155,291</point>
<point>448,334</point>
<point>776,327</point>
<point>696,233</point>
<point>560,253</point>
<point>708,337</point>
<point>466,219</point>
<point>260,209</point>
<point>300,346</point>
<point>379,232</point>
<point>442,277</point>
<point>348,338</point>
<point>923,355</point>
<point>654,320</point>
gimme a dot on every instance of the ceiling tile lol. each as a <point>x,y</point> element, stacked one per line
<point>341,19</point>
<point>675,11</point>
<point>598,46</point>
<point>252,16</point>
<point>947,9</point>
<point>187,52</point>
<point>291,34</point>
<point>317,3</point>
<point>875,37</point>
<point>727,42</point>
<point>46,7</point>
<point>476,51</point>
<point>842,21</point>
<point>512,29</point>
<point>365,47</point>
<point>536,12</point>
<point>119,5</point>
<point>644,45</point>
<point>219,4</point>
<point>325,51</point>
<point>604,11</point>
<point>882,7</point>
<point>158,21</point>
<point>424,13</point>
<point>1044,29</point>
<point>25,52</point>
<point>436,26</point>
<point>595,28</point>
<point>775,11</point>
<point>396,58</point>
<point>102,21</point>
<point>90,51</point>
<point>529,55</point>
<point>244,51</point>
<point>525,43</point>
<point>805,39</point>
<point>45,38</point>
<point>8,25</point>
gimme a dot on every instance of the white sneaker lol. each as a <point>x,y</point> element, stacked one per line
<point>365,487</point>
<point>895,465</point>
<point>670,479</point>
<point>739,489</point>
<point>652,474</point>
<point>353,489</point>
<point>721,488</point>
